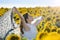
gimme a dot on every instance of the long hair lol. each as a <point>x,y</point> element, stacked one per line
<point>21,26</point>
<point>25,17</point>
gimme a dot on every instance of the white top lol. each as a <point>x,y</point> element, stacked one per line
<point>33,30</point>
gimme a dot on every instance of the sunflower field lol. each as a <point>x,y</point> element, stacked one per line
<point>49,28</point>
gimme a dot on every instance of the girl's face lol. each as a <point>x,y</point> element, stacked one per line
<point>30,18</point>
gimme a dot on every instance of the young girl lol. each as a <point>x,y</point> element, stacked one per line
<point>28,25</point>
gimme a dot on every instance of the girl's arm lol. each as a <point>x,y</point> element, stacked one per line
<point>37,20</point>
<point>25,26</point>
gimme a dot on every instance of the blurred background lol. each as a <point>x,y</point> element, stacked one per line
<point>49,28</point>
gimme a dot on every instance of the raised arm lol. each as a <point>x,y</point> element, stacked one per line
<point>37,20</point>
<point>25,26</point>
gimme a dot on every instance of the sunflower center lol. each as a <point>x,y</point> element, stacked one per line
<point>14,38</point>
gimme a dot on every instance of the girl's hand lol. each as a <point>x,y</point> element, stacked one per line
<point>14,9</point>
<point>42,18</point>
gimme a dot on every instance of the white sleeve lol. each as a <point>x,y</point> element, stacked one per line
<point>37,20</point>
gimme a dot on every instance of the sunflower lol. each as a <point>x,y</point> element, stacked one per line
<point>52,36</point>
<point>41,35</point>
<point>48,36</point>
<point>47,26</point>
<point>58,30</point>
<point>13,37</point>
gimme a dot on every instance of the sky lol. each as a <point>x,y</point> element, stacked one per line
<point>29,3</point>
